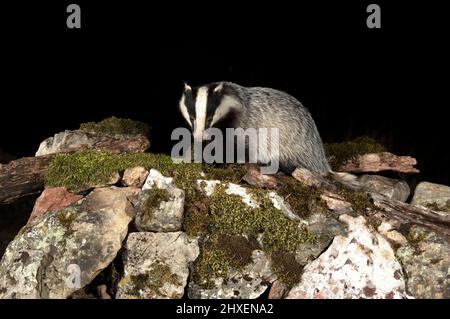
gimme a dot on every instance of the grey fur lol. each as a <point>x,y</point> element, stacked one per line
<point>300,144</point>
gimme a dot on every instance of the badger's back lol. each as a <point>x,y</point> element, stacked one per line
<point>300,144</point>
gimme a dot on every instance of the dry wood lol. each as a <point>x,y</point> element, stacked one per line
<point>22,177</point>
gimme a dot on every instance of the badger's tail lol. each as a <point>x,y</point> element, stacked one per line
<point>347,179</point>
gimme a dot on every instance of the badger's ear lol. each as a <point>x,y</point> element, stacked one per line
<point>219,88</point>
<point>187,87</point>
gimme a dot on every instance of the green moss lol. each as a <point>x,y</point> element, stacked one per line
<point>86,168</point>
<point>66,218</point>
<point>114,125</point>
<point>228,221</point>
<point>197,218</point>
<point>231,172</point>
<point>339,153</point>
<point>210,264</point>
<point>287,269</point>
<point>158,275</point>
<point>302,199</point>
<point>237,249</point>
<point>361,201</point>
<point>155,197</point>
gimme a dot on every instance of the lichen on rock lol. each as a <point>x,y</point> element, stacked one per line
<point>160,206</point>
<point>156,265</point>
<point>426,262</point>
<point>77,243</point>
<point>360,264</point>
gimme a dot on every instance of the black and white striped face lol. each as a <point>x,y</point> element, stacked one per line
<point>204,106</point>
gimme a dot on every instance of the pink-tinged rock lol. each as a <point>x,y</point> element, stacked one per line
<point>102,292</point>
<point>135,176</point>
<point>278,290</point>
<point>361,264</point>
<point>335,202</point>
<point>53,199</point>
<point>379,162</point>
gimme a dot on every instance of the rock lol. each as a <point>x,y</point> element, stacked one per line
<point>156,265</point>
<point>134,176</point>
<point>70,141</point>
<point>433,196</point>
<point>131,193</point>
<point>250,283</point>
<point>395,237</point>
<point>255,178</point>
<point>102,292</point>
<point>379,162</point>
<point>426,262</point>
<point>359,265</point>
<point>60,252</point>
<point>312,179</point>
<point>336,203</point>
<point>160,205</point>
<point>325,228</point>
<point>53,199</point>
<point>278,290</point>
<point>392,188</point>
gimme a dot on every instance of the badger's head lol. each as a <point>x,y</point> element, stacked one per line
<point>206,106</point>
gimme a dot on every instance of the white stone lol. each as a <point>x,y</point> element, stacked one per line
<point>359,265</point>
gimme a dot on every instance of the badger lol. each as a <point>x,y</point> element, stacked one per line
<point>226,104</point>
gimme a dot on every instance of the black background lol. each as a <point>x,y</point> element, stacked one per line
<point>130,59</point>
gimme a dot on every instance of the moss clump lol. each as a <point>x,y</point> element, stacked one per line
<point>238,249</point>
<point>158,275</point>
<point>228,221</point>
<point>339,153</point>
<point>302,199</point>
<point>231,172</point>
<point>84,169</point>
<point>66,218</point>
<point>114,125</point>
<point>155,197</point>
<point>210,264</point>
<point>287,269</point>
<point>196,219</point>
<point>361,201</point>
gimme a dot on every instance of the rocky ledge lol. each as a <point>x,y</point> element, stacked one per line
<point>121,223</point>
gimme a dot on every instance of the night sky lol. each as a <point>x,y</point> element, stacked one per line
<point>131,61</point>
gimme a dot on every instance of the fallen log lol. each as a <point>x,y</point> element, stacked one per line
<point>410,214</point>
<point>22,177</point>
